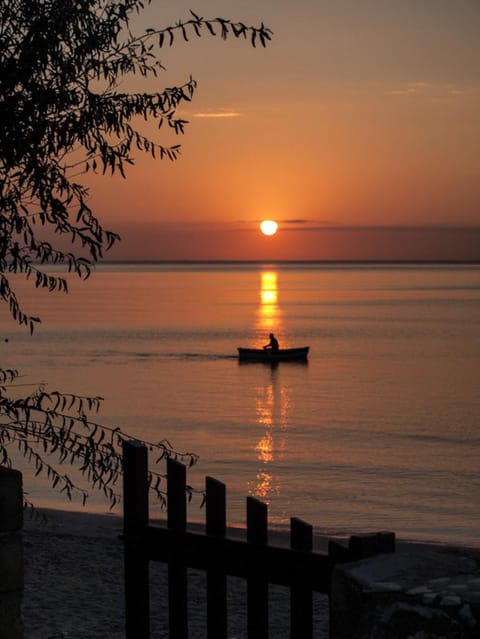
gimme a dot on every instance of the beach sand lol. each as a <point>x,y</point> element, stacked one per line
<point>74,585</point>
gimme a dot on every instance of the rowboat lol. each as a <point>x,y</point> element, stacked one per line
<point>269,355</point>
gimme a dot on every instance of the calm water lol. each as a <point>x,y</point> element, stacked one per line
<point>380,430</point>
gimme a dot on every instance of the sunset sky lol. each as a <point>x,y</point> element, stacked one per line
<point>357,130</point>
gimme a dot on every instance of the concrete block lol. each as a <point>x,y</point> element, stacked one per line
<point>416,592</point>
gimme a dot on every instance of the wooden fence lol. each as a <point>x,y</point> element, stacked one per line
<point>253,559</point>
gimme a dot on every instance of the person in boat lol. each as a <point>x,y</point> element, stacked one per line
<point>272,344</point>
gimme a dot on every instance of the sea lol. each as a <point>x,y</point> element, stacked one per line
<point>379,430</point>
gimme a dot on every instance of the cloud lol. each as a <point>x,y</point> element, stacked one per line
<point>218,114</point>
<point>413,87</point>
<point>431,90</point>
<point>303,224</point>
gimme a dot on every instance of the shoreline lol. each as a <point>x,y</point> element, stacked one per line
<point>74,581</point>
<point>90,523</point>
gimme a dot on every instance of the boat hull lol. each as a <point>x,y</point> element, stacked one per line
<point>268,355</point>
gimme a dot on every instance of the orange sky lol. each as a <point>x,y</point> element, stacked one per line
<point>358,114</point>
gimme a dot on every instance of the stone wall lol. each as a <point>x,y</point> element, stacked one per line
<point>11,554</point>
<point>420,592</point>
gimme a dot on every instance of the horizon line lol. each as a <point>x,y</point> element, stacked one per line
<point>280,261</point>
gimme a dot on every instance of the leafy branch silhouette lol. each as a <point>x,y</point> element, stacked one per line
<point>61,116</point>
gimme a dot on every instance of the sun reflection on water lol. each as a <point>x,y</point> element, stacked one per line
<point>269,292</point>
<point>264,448</point>
<point>268,314</point>
<point>272,402</point>
<point>271,407</point>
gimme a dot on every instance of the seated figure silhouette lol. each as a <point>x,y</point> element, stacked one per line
<point>272,344</point>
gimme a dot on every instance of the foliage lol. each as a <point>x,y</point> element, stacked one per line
<point>62,115</point>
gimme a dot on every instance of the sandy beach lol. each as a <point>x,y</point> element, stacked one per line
<point>74,585</point>
<point>73,576</point>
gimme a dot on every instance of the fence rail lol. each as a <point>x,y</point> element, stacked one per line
<point>253,559</point>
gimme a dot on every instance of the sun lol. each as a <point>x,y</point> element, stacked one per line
<point>268,227</point>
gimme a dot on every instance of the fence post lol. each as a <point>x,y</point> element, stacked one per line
<point>257,584</point>
<point>135,523</point>
<point>177,570</point>
<point>11,554</point>
<point>301,597</point>
<point>216,527</point>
